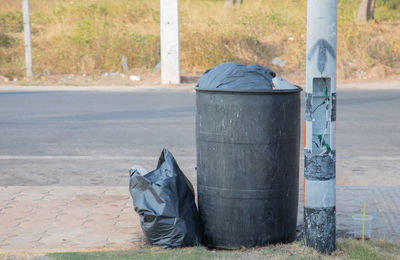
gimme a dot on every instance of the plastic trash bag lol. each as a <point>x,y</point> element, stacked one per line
<point>164,200</point>
<point>236,76</point>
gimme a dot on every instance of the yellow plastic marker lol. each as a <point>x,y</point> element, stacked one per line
<point>362,236</point>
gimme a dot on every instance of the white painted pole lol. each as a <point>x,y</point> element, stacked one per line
<point>320,114</point>
<point>27,34</point>
<point>170,53</point>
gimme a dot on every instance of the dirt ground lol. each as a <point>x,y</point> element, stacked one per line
<point>150,78</point>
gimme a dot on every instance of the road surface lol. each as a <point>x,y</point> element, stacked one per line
<point>69,138</point>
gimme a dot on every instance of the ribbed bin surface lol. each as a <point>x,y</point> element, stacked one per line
<point>248,165</point>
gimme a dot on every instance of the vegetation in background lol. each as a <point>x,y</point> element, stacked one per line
<point>91,36</point>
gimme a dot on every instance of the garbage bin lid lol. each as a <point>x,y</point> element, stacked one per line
<point>236,77</point>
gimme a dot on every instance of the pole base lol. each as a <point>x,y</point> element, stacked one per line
<point>320,229</point>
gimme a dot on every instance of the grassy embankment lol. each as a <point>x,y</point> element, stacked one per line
<point>91,36</point>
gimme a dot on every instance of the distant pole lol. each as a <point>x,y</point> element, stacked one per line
<point>27,34</point>
<point>170,53</point>
<point>320,114</point>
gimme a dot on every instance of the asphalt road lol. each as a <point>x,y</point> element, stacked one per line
<point>94,137</point>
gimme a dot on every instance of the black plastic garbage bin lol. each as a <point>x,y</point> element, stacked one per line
<point>247,165</point>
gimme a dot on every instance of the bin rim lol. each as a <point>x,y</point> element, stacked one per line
<point>252,91</point>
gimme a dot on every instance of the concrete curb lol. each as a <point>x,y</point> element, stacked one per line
<point>384,85</point>
<point>147,88</point>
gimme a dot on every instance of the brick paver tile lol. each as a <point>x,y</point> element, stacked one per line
<point>22,241</point>
<point>53,218</point>
<point>33,193</point>
<point>117,191</point>
<point>10,193</point>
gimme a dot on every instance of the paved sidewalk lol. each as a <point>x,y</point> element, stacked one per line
<point>80,218</point>
<point>51,218</point>
<point>381,202</point>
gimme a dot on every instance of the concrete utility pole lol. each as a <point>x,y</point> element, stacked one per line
<point>320,114</point>
<point>170,53</point>
<point>27,34</point>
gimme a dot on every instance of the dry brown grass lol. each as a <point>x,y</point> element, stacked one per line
<point>91,36</point>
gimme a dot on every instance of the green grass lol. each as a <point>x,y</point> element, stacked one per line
<point>151,253</point>
<point>347,249</point>
<point>380,249</point>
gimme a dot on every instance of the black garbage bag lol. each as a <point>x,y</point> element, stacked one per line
<point>164,200</point>
<point>236,76</point>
